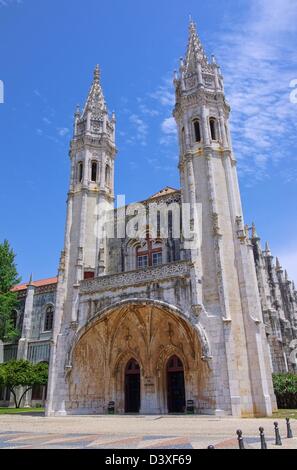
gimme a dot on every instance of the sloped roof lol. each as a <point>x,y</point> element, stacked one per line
<point>164,192</point>
<point>39,283</point>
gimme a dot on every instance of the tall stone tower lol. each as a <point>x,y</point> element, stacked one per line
<point>227,289</point>
<point>92,154</point>
<point>198,314</point>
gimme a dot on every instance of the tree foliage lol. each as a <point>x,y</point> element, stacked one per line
<point>8,299</point>
<point>22,373</point>
<point>285,388</point>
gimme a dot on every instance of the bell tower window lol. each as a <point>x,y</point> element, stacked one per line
<point>183,139</point>
<point>213,128</point>
<point>94,168</point>
<point>197,131</point>
<point>80,172</point>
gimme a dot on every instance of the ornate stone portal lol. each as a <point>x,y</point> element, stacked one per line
<point>148,334</point>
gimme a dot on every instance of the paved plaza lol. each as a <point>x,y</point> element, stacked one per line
<point>137,432</point>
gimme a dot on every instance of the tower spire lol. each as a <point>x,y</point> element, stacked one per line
<point>195,52</point>
<point>97,74</point>
<point>95,100</point>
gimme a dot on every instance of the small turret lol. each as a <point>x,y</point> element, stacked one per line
<point>267,250</point>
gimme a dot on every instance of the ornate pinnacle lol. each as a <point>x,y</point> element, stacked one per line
<point>267,249</point>
<point>97,74</point>
<point>95,100</point>
<point>277,264</point>
<point>77,111</point>
<point>254,231</point>
<point>192,25</point>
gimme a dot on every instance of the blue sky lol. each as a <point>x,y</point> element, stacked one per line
<point>48,50</point>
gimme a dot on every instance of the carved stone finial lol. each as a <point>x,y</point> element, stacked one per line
<point>97,74</point>
<point>254,232</point>
<point>267,249</point>
<point>77,111</point>
<point>277,264</point>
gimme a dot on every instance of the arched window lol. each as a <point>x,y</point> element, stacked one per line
<point>80,172</point>
<point>49,318</point>
<point>149,253</point>
<point>183,139</point>
<point>107,175</point>
<point>213,128</point>
<point>94,172</point>
<point>197,131</point>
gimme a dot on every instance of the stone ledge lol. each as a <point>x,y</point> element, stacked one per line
<point>137,277</point>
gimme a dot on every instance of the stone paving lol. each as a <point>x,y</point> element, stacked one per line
<point>137,432</point>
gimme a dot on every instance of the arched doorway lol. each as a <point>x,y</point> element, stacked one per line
<point>175,385</point>
<point>132,387</point>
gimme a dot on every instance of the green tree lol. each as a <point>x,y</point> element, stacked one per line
<point>22,373</point>
<point>285,388</point>
<point>8,299</point>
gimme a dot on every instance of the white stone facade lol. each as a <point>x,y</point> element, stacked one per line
<point>220,306</point>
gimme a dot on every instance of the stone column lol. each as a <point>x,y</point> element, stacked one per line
<point>27,323</point>
<point>26,333</point>
<point>205,126</point>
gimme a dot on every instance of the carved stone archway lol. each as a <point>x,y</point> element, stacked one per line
<point>150,332</point>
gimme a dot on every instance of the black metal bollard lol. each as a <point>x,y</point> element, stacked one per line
<point>211,447</point>
<point>278,441</point>
<point>262,438</point>
<point>240,439</point>
<point>289,430</point>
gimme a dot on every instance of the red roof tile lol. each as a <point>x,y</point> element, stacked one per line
<point>40,283</point>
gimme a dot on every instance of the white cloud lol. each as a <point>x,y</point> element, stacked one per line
<point>169,130</point>
<point>62,131</point>
<point>46,120</point>
<point>141,128</point>
<point>164,93</point>
<point>148,111</point>
<point>259,60</point>
<point>6,3</point>
<point>168,126</point>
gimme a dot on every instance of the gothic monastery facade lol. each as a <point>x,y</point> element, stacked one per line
<point>152,324</point>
